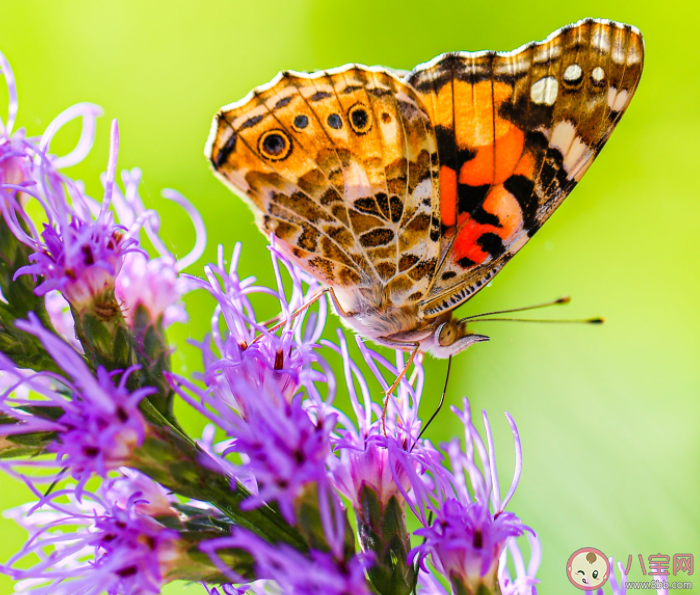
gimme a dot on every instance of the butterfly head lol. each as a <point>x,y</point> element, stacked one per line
<point>449,338</point>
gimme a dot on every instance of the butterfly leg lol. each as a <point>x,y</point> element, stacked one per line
<point>418,360</point>
<point>301,309</point>
<point>294,314</point>
<point>392,388</point>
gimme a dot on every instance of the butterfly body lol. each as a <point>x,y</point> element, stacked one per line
<point>407,192</point>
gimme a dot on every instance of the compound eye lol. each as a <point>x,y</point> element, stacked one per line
<point>275,145</point>
<point>447,334</point>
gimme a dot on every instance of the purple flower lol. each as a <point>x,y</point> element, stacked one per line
<point>82,249</point>
<point>79,253</point>
<point>100,424</point>
<point>20,156</point>
<point>154,500</point>
<point>464,535</point>
<point>154,284</point>
<point>319,573</point>
<point>249,357</point>
<point>73,252</point>
<point>252,391</point>
<point>363,457</point>
<point>89,544</point>
<point>524,581</point>
<point>62,318</point>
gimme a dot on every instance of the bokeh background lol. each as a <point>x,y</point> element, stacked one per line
<point>608,415</point>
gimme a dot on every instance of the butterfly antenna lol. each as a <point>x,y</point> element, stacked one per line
<point>560,302</point>
<point>442,400</point>
<point>599,320</point>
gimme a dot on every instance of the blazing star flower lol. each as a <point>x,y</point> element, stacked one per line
<point>249,355</point>
<point>78,253</point>
<point>154,500</point>
<point>62,319</point>
<point>88,544</point>
<point>462,537</point>
<point>153,284</point>
<point>252,390</point>
<point>295,574</point>
<point>363,460</point>
<point>100,424</point>
<point>523,583</point>
<point>19,156</point>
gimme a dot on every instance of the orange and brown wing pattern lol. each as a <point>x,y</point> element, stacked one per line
<point>516,131</point>
<point>342,167</point>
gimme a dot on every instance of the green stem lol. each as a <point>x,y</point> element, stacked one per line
<point>174,460</point>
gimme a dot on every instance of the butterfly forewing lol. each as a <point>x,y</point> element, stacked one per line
<point>515,133</point>
<point>342,167</point>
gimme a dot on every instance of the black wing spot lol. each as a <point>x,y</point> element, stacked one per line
<point>396,209</point>
<point>319,95</point>
<point>367,205</point>
<point>491,243</point>
<point>300,122</point>
<point>250,122</point>
<point>450,154</point>
<point>226,150</point>
<point>471,201</point>
<point>335,121</point>
<point>407,261</point>
<point>523,189</point>
<point>376,237</point>
<point>282,102</point>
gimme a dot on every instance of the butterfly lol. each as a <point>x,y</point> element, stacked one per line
<point>404,193</point>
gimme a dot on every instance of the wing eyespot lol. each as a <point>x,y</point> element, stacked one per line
<point>335,121</point>
<point>300,122</point>
<point>275,145</point>
<point>359,118</point>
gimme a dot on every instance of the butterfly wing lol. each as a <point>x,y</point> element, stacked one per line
<point>342,167</point>
<point>516,131</point>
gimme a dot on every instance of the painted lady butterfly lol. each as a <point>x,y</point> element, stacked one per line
<point>405,193</point>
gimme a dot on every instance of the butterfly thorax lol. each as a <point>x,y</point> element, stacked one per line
<point>383,321</point>
<point>404,326</point>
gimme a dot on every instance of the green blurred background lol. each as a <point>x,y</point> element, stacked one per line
<point>608,415</point>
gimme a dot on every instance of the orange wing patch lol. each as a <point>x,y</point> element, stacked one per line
<point>516,131</point>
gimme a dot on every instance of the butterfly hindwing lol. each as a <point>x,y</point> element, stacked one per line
<point>516,131</point>
<point>342,167</point>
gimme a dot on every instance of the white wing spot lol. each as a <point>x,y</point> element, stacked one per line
<point>598,74</point>
<point>633,55</point>
<point>573,73</point>
<point>545,91</point>
<point>617,101</point>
